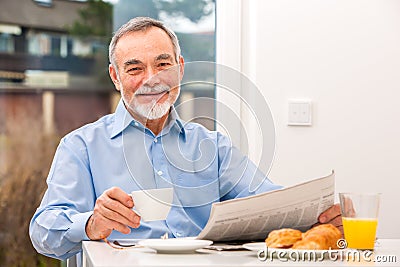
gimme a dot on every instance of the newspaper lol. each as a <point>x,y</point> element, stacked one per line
<point>252,218</point>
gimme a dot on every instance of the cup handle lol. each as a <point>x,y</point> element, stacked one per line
<point>134,208</point>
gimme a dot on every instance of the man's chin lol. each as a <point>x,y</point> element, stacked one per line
<point>154,112</point>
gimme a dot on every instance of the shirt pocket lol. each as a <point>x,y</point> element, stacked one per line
<point>196,189</point>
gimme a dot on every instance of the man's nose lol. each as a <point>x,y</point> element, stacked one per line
<point>152,77</point>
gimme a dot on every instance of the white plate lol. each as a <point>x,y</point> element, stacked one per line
<point>175,245</point>
<point>296,253</point>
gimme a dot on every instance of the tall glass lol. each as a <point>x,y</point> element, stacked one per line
<point>360,219</point>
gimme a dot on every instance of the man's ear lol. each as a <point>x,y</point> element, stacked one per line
<point>114,76</point>
<point>181,67</point>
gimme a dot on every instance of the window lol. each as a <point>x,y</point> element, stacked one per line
<point>194,23</point>
<point>45,3</point>
<point>6,43</point>
<point>54,79</point>
<point>7,33</point>
<point>49,85</point>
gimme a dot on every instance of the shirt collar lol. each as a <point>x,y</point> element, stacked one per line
<point>122,119</point>
<point>176,121</point>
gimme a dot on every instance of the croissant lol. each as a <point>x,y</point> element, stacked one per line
<point>283,238</point>
<point>323,236</point>
<point>312,243</point>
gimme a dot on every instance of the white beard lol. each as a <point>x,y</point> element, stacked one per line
<point>152,110</point>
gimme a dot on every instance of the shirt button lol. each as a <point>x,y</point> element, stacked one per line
<point>155,140</point>
<point>160,173</point>
<point>136,124</point>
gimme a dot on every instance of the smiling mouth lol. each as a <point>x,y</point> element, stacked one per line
<point>154,93</point>
<point>153,96</point>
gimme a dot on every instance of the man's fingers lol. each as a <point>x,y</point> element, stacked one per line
<point>120,227</point>
<point>118,207</point>
<point>115,225</point>
<point>115,211</point>
<point>101,227</point>
<point>337,221</point>
<point>333,216</point>
<point>116,200</point>
<point>95,229</point>
<point>118,194</point>
<point>112,211</point>
<point>330,214</point>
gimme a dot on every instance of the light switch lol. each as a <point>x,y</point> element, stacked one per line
<point>300,112</point>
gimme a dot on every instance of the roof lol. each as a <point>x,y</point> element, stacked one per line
<point>29,13</point>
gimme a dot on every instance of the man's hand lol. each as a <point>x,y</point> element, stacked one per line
<point>332,216</point>
<point>113,211</point>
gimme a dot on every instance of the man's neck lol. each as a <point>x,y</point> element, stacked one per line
<point>155,125</point>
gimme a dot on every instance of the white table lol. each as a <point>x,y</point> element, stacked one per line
<point>99,254</point>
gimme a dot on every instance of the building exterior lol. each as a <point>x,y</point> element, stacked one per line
<point>47,73</point>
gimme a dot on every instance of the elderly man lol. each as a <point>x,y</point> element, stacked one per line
<point>143,145</point>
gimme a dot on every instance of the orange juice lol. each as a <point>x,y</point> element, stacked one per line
<point>360,232</point>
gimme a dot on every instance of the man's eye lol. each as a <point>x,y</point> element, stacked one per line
<point>164,64</point>
<point>135,69</point>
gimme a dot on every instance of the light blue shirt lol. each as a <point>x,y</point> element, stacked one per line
<point>201,165</point>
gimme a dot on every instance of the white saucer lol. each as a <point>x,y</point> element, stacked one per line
<point>175,245</point>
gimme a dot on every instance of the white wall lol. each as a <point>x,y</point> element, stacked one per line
<point>345,57</point>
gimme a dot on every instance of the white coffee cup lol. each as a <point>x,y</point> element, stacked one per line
<point>153,204</point>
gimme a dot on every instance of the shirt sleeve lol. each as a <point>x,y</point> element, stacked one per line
<point>238,175</point>
<point>58,225</point>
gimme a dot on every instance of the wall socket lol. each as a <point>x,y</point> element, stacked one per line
<point>300,112</point>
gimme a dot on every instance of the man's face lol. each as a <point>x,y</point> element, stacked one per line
<point>148,75</point>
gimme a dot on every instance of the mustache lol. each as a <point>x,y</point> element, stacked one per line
<point>160,88</point>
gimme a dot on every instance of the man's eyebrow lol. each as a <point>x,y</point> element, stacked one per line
<point>132,61</point>
<point>164,56</point>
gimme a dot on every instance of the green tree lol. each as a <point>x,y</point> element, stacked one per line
<point>194,10</point>
<point>191,9</point>
<point>94,20</point>
<point>194,46</point>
